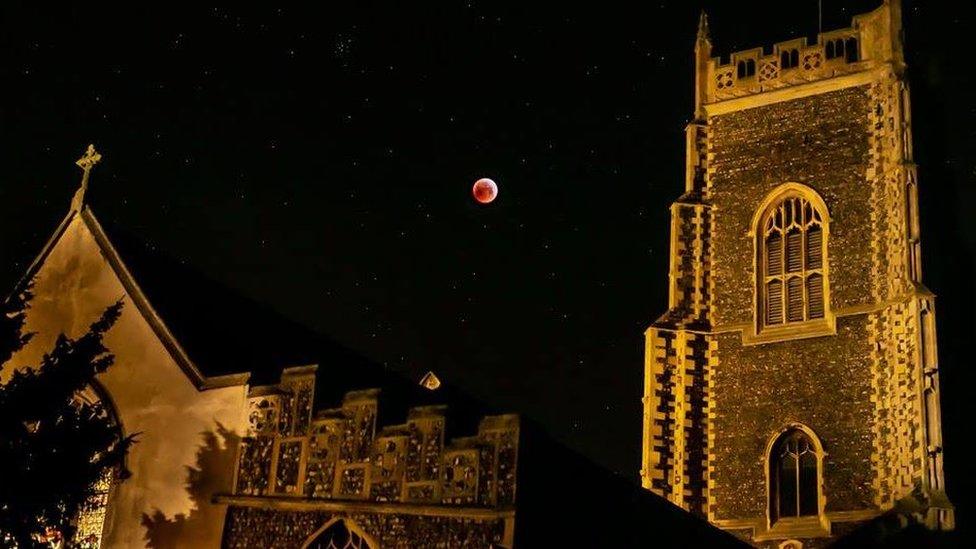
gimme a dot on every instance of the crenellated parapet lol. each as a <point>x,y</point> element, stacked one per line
<point>872,40</point>
<point>341,454</point>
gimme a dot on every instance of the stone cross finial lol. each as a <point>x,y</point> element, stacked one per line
<point>86,163</point>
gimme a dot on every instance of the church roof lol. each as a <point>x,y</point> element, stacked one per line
<point>223,331</point>
<point>226,333</point>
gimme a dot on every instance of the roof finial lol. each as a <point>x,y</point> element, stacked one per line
<point>819,18</point>
<point>703,26</point>
<point>86,163</point>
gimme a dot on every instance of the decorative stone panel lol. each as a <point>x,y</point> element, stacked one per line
<point>338,454</point>
<point>794,62</point>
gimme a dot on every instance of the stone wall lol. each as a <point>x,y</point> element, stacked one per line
<point>249,528</point>
<point>340,455</point>
<point>824,383</point>
<point>677,364</point>
<point>176,422</point>
<point>871,37</point>
<point>820,141</point>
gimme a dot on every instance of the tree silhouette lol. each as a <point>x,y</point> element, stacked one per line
<point>54,447</point>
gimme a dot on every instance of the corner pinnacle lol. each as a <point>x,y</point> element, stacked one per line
<point>703,26</point>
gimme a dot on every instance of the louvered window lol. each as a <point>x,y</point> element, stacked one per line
<point>774,313</point>
<point>792,252</point>
<point>794,299</point>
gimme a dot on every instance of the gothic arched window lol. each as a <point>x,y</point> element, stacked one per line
<point>90,521</point>
<point>791,263</point>
<point>789,59</point>
<point>338,534</point>
<point>794,476</point>
<point>746,69</point>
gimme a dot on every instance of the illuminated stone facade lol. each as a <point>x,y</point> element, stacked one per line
<point>223,458</point>
<point>152,389</point>
<point>402,485</point>
<point>220,461</point>
<point>796,305</point>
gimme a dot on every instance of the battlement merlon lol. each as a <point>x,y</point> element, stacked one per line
<point>342,454</point>
<point>873,40</point>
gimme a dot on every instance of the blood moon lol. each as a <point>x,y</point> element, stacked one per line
<point>485,190</point>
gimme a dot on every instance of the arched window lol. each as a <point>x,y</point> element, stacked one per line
<point>791,274</point>
<point>339,534</point>
<point>789,59</point>
<point>90,521</point>
<point>794,475</point>
<point>746,69</point>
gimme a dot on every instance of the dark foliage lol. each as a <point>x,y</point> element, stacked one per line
<point>54,446</point>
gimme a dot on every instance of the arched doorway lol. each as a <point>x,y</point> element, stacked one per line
<point>340,533</point>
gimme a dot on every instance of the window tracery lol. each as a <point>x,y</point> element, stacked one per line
<point>338,536</point>
<point>794,476</point>
<point>792,278</point>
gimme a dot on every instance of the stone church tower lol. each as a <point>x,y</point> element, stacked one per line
<point>791,389</point>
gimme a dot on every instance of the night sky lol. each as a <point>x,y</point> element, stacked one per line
<point>321,162</point>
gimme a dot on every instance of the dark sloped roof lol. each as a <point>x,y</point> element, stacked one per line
<point>563,498</point>
<point>899,529</point>
<point>566,500</point>
<point>224,332</point>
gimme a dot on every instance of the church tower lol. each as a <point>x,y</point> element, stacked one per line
<point>791,389</point>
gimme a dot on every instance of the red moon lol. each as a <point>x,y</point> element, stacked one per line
<point>485,190</point>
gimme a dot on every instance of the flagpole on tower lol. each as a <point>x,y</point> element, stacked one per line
<point>819,18</point>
